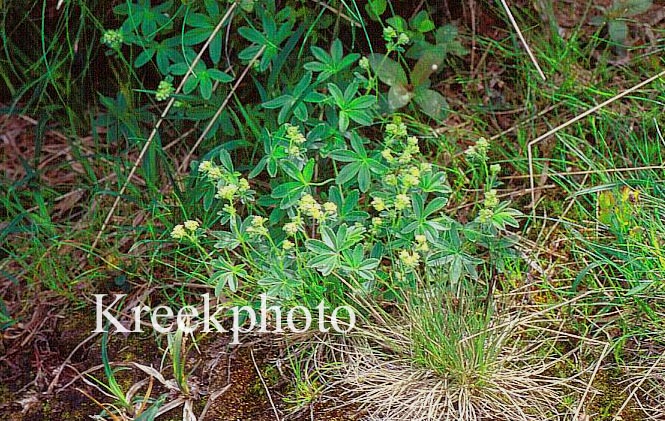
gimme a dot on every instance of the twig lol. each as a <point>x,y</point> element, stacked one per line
<point>617,416</point>
<point>339,13</point>
<point>158,124</point>
<point>519,34</point>
<point>214,118</point>
<point>265,386</point>
<point>590,382</point>
<point>574,120</point>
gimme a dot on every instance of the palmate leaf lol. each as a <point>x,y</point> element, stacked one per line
<point>355,263</point>
<point>327,252</point>
<point>226,274</point>
<point>359,164</point>
<point>330,64</point>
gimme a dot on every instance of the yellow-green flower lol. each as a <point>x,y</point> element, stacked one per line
<point>287,245</point>
<point>378,204</point>
<point>215,173</point>
<point>164,90</point>
<point>402,202</point>
<point>205,166</point>
<point>485,215</point>
<point>113,38</point>
<point>377,222</point>
<point>330,208</point>
<point>294,135</point>
<point>290,228</point>
<point>397,129</point>
<point>230,209</point>
<point>410,260</point>
<point>421,243</point>
<point>478,152</point>
<point>403,39</point>
<point>294,151</point>
<point>491,199</point>
<point>425,167</point>
<point>243,184</point>
<point>178,232</point>
<point>227,192</point>
<point>191,225</point>
<point>389,33</point>
<point>410,181</point>
<point>310,207</point>
<point>257,226</point>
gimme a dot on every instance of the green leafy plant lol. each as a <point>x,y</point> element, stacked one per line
<point>311,228</point>
<point>616,15</point>
<point>415,87</point>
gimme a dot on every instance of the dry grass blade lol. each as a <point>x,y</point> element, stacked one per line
<point>592,110</point>
<point>519,34</point>
<point>499,373</point>
<point>214,118</point>
<point>153,133</point>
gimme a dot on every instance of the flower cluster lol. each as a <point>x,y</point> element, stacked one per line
<point>164,90</point>
<point>409,260</point>
<point>113,38</point>
<point>185,230</point>
<point>395,40</point>
<point>230,185</point>
<point>257,226</point>
<point>296,140</point>
<point>308,206</point>
<point>478,152</point>
<point>292,228</point>
<point>491,199</point>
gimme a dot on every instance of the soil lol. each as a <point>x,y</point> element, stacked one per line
<point>30,363</point>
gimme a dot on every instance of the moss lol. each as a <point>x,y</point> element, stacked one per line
<point>610,398</point>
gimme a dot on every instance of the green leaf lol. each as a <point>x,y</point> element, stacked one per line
<point>348,172</point>
<point>429,62</point>
<point>398,96</point>
<point>446,34</point>
<point>432,103</point>
<point>144,57</point>
<point>205,86</point>
<point>618,31</point>
<point>388,70</point>
<point>630,8</point>
<point>219,76</point>
<point>422,23</point>
<point>399,23</point>
<point>376,8</point>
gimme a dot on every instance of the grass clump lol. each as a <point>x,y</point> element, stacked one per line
<point>442,356</point>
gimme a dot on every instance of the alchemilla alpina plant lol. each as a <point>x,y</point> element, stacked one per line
<point>357,219</point>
